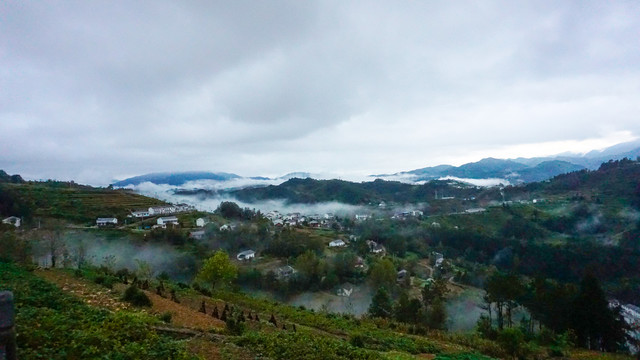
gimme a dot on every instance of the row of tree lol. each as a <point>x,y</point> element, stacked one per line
<point>583,310</point>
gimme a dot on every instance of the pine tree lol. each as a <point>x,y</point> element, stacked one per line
<point>381,304</point>
<point>596,325</point>
<point>437,316</point>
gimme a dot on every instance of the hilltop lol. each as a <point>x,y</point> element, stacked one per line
<point>175,179</point>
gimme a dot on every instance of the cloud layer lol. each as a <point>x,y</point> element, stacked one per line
<point>99,90</point>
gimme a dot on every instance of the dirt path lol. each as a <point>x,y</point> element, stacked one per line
<point>182,315</point>
<point>93,294</point>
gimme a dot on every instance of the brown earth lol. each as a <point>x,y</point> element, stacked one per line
<point>183,315</point>
<point>93,294</point>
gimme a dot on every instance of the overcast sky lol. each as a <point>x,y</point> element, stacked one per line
<point>101,90</point>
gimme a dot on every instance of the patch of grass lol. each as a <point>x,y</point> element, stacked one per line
<point>290,345</point>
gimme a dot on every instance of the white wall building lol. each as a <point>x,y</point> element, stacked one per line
<point>246,255</point>
<point>337,243</point>
<point>167,220</point>
<point>106,221</point>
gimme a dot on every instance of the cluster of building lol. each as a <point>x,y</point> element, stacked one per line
<point>161,222</point>
<point>407,214</point>
<point>297,219</point>
<point>161,210</point>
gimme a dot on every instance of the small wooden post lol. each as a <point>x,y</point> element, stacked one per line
<point>7,329</point>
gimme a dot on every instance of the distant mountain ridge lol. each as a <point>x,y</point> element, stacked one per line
<point>177,178</point>
<point>515,171</point>
<point>525,170</point>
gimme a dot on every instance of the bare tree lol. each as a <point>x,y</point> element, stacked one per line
<point>52,241</point>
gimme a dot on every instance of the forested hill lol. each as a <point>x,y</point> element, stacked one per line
<point>618,180</point>
<point>308,191</point>
<point>614,180</point>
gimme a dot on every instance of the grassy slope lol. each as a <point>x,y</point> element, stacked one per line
<point>82,204</point>
<point>54,325</point>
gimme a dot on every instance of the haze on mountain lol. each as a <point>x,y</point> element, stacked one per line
<point>103,90</point>
<point>521,170</point>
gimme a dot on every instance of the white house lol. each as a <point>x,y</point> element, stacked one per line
<point>227,227</point>
<point>362,217</point>
<point>374,247</point>
<point>12,220</point>
<point>345,290</point>
<point>246,255</point>
<point>106,221</point>
<point>474,210</point>
<point>201,222</point>
<point>140,213</point>
<point>274,214</point>
<point>167,220</point>
<point>402,274</point>
<point>439,258</point>
<point>337,243</point>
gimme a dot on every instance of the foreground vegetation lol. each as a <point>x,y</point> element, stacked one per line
<point>55,325</point>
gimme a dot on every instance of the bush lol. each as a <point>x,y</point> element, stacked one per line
<point>136,296</point>
<point>165,317</point>
<point>358,340</point>
<point>202,290</point>
<point>105,280</point>
<point>234,325</point>
<point>511,340</point>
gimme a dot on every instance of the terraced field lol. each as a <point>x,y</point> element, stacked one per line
<point>79,204</point>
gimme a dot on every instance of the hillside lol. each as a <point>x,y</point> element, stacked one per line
<point>67,314</point>
<point>309,191</point>
<point>69,201</point>
<point>614,181</point>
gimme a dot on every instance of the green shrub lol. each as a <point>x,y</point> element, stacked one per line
<point>234,326</point>
<point>136,297</point>
<point>511,340</point>
<point>105,280</point>
<point>358,340</point>
<point>165,317</point>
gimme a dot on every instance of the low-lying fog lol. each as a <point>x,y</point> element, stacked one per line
<point>117,253</point>
<point>210,203</point>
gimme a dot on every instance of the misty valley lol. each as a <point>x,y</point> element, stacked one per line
<point>379,269</point>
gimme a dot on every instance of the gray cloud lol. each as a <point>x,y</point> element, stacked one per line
<point>93,91</point>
